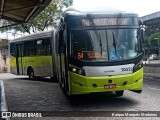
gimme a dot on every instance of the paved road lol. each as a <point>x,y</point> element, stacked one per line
<point>45,95</point>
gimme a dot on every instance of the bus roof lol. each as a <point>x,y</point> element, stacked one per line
<point>99,13</point>
<point>43,34</point>
<point>78,19</point>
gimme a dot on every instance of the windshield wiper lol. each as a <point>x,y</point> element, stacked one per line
<point>95,29</point>
<point>114,43</point>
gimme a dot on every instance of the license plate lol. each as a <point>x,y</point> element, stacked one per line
<point>109,86</point>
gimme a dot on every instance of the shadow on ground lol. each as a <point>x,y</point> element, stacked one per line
<point>39,79</point>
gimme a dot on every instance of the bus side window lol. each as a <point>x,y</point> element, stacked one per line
<point>61,39</point>
<point>57,43</point>
<point>48,46</point>
<point>13,50</point>
<point>28,48</point>
<point>39,47</point>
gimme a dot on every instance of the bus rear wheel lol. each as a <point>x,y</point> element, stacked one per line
<point>31,74</point>
<point>119,93</point>
<point>54,79</point>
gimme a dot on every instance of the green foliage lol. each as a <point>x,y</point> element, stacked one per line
<point>152,43</point>
<point>153,40</point>
<point>46,19</point>
<point>3,44</point>
<point>4,48</point>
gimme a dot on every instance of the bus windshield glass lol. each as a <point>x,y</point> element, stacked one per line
<point>117,44</point>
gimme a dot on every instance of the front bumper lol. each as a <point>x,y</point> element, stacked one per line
<point>83,84</point>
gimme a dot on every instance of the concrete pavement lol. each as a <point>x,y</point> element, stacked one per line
<point>43,95</point>
<point>152,75</point>
<point>4,76</point>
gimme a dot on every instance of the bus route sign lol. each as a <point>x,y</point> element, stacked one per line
<point>105,21</point>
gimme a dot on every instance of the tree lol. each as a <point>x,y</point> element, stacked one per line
<point>4,44</point>
<point>46,19</point>
<point>4,48</point>
<point>153,43</point>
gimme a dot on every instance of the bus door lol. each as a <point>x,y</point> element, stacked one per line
<point>49,62</point>
<point>19,59</point>
<point>63,62</point>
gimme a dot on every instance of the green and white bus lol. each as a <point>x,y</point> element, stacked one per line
<point>32,55</point>
<point>99,52</point>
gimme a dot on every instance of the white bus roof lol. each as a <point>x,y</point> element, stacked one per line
<point>43,34</point>
<point>74,11</point>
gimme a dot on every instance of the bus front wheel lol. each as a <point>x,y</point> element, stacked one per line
<point>119,93</point>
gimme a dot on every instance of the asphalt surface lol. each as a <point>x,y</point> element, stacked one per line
<point>42,95</point>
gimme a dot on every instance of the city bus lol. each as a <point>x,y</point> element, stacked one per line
<point>99,52</point>
<point>32,55</point>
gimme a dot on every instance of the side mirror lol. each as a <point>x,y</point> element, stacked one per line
<point>141,35</point>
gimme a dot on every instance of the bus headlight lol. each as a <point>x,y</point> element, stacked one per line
<point>77,70</point>
<point>138,66</point>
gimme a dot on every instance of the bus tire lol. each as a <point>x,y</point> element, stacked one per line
<point>37,78</point>
<point>30,73</point>
<point>119,93</point>
<point>58,79</point>
<point>54,79</point>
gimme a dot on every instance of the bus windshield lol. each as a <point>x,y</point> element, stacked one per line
<point>117,44</point>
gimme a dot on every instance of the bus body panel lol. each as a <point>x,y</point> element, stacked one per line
<point>42,64</point>
<point>108,70</point>
<point>83,85</point>
<point>13,66</point>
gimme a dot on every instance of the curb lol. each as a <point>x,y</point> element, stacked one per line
<point>152,76</point>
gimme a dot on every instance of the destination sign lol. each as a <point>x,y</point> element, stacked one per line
<point>91,55</point>
<point>105,21</point>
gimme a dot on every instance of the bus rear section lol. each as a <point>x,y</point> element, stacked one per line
<point>32,55</point>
